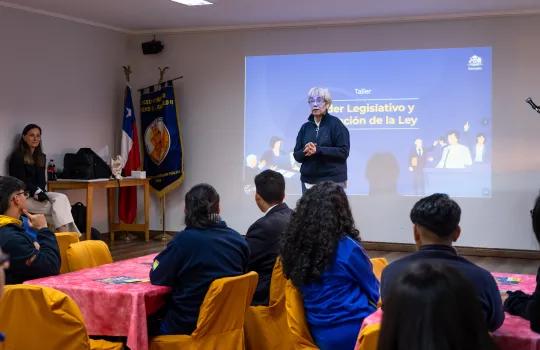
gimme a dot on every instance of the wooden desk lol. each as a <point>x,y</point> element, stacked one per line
<point>110,185</point>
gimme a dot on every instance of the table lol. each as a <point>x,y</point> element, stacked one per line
<point>110,185</point>
<point>113,309</point>
<point>515,333</point>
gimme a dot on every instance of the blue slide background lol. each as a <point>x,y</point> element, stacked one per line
<point>439,82</point>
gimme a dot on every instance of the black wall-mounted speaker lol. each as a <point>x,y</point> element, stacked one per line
<point>152,47</point>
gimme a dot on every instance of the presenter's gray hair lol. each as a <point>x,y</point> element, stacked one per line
<point>322,92</point>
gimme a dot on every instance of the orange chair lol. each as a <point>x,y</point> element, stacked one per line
<point>64,239</point>
<point>368,339</point>
<point>378,266</point>
<point>85,254</point>
<point>296,318</point>
<point>221,317</point>
<point>266,327</point>
<point>36,317</point>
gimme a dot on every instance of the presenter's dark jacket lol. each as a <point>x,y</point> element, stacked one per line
<point>329,163</point>
<point>525,305</point>
<point>483,282</point>
<point>33,176</point>
<point>263,239</point>
<point>189,264</point>
<point>20,247</point>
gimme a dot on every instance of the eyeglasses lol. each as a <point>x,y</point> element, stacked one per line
<point>26,194</point>
<point>318,100</point>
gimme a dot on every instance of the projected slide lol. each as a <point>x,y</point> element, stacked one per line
<point>419,120</point>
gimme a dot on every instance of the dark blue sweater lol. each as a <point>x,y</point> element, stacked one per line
<point>20,247</point>
<point>330,160</point>
<point>484,283</point>
<point>189,264</point>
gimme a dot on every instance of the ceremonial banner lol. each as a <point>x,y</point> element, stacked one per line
<point>163,157</point>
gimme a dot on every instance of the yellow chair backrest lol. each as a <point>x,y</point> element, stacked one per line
<point>221,317</point>
<point>368,339</point>
<point>36,317</point>
<point>266,327</point>
<point>64,239</point>
<point>296,318</point>
<point>86,254</point>
<point>378,266</point>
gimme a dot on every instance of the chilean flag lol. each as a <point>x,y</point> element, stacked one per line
<point>131,159</point>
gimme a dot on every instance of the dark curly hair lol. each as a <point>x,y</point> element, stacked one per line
<point>438,213</point>
<point>322,217</point>
<point>202,205</point>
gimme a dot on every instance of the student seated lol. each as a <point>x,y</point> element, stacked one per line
<point>204,251</point>
<point>323,257</point>
<point>29,258</point>
<point>27,163</point>
<point>436,226</point>
<point>433,307</point>
<point>519,303</point>
<point>264,235</point>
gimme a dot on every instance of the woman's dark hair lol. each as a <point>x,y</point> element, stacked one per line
<point>322,217</point>
<point>38,157</point>
<point>202,206</point>
<point>433,307</point>
<point>535,216</point>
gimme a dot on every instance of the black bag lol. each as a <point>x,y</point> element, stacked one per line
<point>78,211</point>
<point>85,165</point>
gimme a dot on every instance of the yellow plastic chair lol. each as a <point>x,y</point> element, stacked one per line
<point>36,317</point>
<point>266,327</point>
<point>64,239</point>
<point>378,266</point>
<point>296,318</point>
<point>85,254</point>
<point>221,317</point>
<point>368,339</point>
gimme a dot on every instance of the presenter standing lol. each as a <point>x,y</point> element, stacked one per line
<point>322,145</point>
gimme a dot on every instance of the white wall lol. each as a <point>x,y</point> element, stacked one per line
<point>65,77</point>
<point>211,98</point>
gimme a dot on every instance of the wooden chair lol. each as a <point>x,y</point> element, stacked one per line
<point>36,317</point>
<point>221,317</point>
<point>64,239</point>
<point>266,327</point>
<point>296,318</point>
<point>87,254</point>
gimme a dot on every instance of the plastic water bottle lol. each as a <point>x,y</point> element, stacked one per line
<point>51,171</point>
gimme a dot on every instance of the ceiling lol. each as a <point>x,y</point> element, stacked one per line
<point>141,16</point>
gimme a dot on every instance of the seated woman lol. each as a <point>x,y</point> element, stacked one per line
<point>204,251</point>
<point>433,307</point>
<point>322,256</point>
<point>27,163</point>
<point>519,303</point>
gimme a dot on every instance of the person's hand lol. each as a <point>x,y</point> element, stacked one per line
<point>466,127</point>
<point>40,195</point>
<point>310,149</point>
<point>37,221</point>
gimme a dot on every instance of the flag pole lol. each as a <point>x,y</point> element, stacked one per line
<point>163,236</point>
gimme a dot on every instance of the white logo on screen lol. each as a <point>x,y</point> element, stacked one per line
<point>475,63</point>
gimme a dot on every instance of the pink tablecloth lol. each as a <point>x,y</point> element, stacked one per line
<point>113,309</point>
<point>515,333</point>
